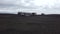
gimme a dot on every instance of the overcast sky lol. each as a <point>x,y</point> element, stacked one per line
<point>37,6</point>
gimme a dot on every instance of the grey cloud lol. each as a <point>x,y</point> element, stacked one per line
<point>13,5</point>
<point>8,1</point>
<point>16,3</point>
<point>8,4</point>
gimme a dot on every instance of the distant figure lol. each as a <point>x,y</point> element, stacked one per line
<point>42,14</point>
<point>23,14</point>
<point>19,13</point>
<point>33,14</point>
<point>27,14</point>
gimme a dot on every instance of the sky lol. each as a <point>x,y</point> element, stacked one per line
<point>36,6</point>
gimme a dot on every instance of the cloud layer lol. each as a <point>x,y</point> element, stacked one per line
<point>44,6</point>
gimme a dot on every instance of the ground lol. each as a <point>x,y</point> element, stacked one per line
<point>14,24</point>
